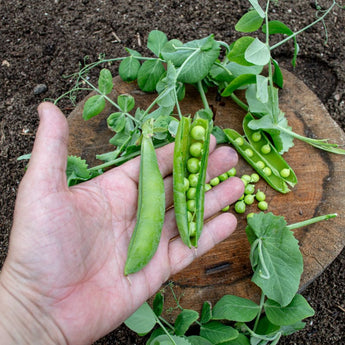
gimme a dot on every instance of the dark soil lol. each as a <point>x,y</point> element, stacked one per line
<point>41,41</point>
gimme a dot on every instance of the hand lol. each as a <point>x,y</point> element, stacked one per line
<point>63,279</point>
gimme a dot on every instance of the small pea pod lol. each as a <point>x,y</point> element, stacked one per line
<point>255,159</point>
<point>189,174</point>
<point>269,153</point>
<point>151,209</point>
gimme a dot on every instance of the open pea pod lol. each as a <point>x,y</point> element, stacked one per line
<point>269,153</point>
<point>255,159</point>
<point>189,174</point>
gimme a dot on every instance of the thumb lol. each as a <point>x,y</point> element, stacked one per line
<point>47,165</point>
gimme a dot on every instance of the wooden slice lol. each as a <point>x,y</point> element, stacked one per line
<point>226,269</point>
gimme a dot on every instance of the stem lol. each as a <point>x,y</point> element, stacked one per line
<point>262,300</point>
<point>311,221</point>
<point>305,28</point>
<point>239,102</point>
<point>203,96</point>
<point>165,330</point>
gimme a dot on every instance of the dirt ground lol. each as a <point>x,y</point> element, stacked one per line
<point>41,41</point>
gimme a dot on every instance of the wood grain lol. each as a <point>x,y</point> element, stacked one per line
<point>226,269</point>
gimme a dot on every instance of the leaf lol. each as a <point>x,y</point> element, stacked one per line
<point>184,320</point>
<point>257,7</point>
<point>76,170</point>
<point>170,52</point>
<point>197,340</point>
<point>142,320</point>
<point>126,102</point>
<point>166,88</point>
<point>158,303</point>
<point>278,78</point>
<point>216,332</point>
<point>105,81</point>
<point>262,88</point>
<point>116,121</point>
<point>249,22</point>
<point>275,256</point>
<point>238,50</point>
<point>219,134</point>
<point>234,308</point>
<point>297,310</point>
<point>156,41</point>
<point>238,82</point>
<point>173,126</point>
<point>240,340</point>
<point>206,312</point>
<point>93,106</point>
<point>166,340</point>
<point>149,74</point>
<point>258,53</point>
<point>129,68</point>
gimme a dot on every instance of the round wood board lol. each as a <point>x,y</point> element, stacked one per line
<point>226,269</point>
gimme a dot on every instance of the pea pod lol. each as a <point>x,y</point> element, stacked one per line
<point>270,155</point>
<point>254,158</point>
<point>151,209</point>
<point>190,163</point>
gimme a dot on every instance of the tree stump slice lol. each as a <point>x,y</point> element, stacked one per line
<point>226,269</point>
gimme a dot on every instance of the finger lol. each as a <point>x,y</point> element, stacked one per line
<point>49,155</point>
<point>215,231</point>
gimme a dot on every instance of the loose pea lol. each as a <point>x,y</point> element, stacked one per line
<point>285,172</point>
<point>249,199</point>
<point>240,207</point>
<point>191,205</point>
<point>254,178</point>
<point>260,196</point>
<point>191,193</point>
<point>214,181</point>
<point>267,171</point>
<point>249,189</point>
<point>231,172</point>
<point>193,165</point>
<point>193,180</point>
<point>192,229</point>
<point>223,177</point>
<point>241,197</point>
<point>245,178</point>
<point>186,184</point>
<point>198,133</point>
<point>262,205</point>
<point>256,136</point>
<point>250,215</point>
<point>195,149</point>
<point>239,141</point>
<point>249,152</point>
<point>207,187</point>
<point>265,149</point>
<point>226,208</point>
<point>260,164</point>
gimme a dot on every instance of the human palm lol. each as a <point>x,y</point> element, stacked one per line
<point>69,245</point>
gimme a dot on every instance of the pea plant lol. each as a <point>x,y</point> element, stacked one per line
<point>277,264</point>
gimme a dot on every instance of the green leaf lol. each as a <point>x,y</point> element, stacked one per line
<point>297,310</point>
<point>240,340</point>
<point>275,257</point>
<point>219,134</point>
<point>257,7</point>
<point>261,88</point>
<point>93,106</point>
<point>238,50</point>
<point>105,81</point>
<point>126,102</point>
<point>156,41</point>
<point>216,332</point>
<point>129,68</point>
<point>238,82</point>
<point>234,308</point>
<point>142,320</point>
<point>265,327</point>
<point>249,22</point>
<point>166,340</point>
<point>116,121</point>
<point>149,74</point>
<point>184,320</point>
<point>166,88</point>
<point>171,52</point>
<point>173,126</point>
<point>278,78</point>
<point>76,170</point>
<point>206,312</point>
<point>158,303</point>
<point>258,53</point>
<point>197,340</point>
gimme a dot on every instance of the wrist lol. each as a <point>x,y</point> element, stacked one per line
<point>22,320</point>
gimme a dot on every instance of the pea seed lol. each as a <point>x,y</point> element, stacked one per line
<point>191,205</point>
<point>249,199</point>
<point>193,180</point>
<point>262,205</point>
<point>226,208</point>
<point>191,193</point>
<point>267,171</point>
<point>241,197</point>
<point>231,172</point>
<point>245,178</point>
<point>285,172</point>
<point>256,136</point>
<point>260,164</point>
<point>254,178</point>
<point>250,215</point>
<point>265,149</point>
<point>249,152</point>
<point>239,141</point>
<point>240,207</point>
<point>223,177</point>
<point>193,165</point>
<point>214,181</point>
<point>186,184</point>
<point>189,216</point>
<point>207,187</point>
<point>195,149</point>
<point>249,189</point>
<point>192,229</point>
<point>198,133</point>
<point>260,196</point>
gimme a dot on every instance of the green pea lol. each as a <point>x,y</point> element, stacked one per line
<point>260,164</point>
<point>260,196</point>
<point>285,172</point>
<point>231,172</point>
<point>191,205</point>
<point>223,177</point>
<point>249,152</point>
<point>207,187</point>
<point>249,199</point>
<point>262,205</point>
<point>239,141</point>
<point>241,197</point>
<point>265,149</point>
<point>192,229</point>
<point>193,180</point>
<point>249,189</point>
<point>250,215</point>
<point>189,216</point>
<point>186,184</point>
<point>226,208</point>
<point>256,136</point>
<point>254,178</point>
<point>240,207</point>
<point>191,193</point>
<point>193,165</point>
<point>196,149</point>
<point>214,181</point>
<point>267,171</point>
<point>198,133</point>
